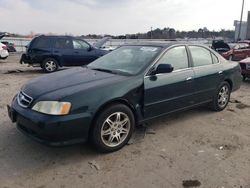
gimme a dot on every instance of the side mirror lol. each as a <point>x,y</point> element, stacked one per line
<point>164,68</point>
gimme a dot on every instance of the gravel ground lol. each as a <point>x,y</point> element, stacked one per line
<point>193,148</point>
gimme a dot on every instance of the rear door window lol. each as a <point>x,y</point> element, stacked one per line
<point>63,43</point>
<point>201,56</point>
<point>215,58</point>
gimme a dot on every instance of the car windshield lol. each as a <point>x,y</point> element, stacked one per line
<point>128,60</point>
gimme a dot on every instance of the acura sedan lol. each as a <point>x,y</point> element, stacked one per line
<point>104,100</point>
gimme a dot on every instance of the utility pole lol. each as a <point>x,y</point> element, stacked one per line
<point>242,10</point>
<point>151,35</point>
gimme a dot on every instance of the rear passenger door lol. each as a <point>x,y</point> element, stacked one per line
<point>63,50</point>
<point>208,73</point>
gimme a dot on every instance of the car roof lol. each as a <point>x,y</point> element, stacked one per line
<point>160,44</point>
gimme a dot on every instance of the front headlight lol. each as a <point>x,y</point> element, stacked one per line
<point>52,107</point>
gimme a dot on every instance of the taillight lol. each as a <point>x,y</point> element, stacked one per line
<point>4,47</point>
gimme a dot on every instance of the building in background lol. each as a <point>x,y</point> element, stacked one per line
<point>248,26</point>
<point>245,29</point>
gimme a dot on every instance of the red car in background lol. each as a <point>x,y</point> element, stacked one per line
<point>238,52</point>
<point>245,68</point>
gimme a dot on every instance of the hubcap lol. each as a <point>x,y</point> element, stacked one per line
<point>223,96</point>
<point>50,66</point>
<point>115,129</point>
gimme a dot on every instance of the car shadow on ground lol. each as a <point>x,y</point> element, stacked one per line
<point>19,152</point>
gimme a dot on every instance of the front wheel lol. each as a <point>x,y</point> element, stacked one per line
<point>113,128</point>
<point>49,65</point>
<point>221,97</point>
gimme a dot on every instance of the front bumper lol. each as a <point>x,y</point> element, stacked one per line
<point>50,130</point>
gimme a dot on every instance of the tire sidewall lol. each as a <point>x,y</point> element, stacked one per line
<point>97,126</point>
<point>45,61</point>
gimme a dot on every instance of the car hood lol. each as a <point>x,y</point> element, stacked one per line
<point>68,80</point>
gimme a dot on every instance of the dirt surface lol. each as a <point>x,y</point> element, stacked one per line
<point>197,148</point>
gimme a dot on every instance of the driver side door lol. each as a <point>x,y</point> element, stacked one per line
<point>169,92</point>
<point>83,52</point>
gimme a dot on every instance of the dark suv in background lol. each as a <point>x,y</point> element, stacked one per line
<point>51,52</point>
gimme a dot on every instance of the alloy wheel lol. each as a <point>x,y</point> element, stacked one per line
<point>115,129</point>
<point>223,96</point>
<point>50,66</point>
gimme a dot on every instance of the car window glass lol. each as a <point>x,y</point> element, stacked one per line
<point>63,43</point>
<point>79,44</point>
<point>201,56</point>
<point>215,59</point>
<point>42,43</point>
<point>177,57</point>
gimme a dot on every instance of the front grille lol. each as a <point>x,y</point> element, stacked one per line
<point>243,66</point>
<point>24,100</point>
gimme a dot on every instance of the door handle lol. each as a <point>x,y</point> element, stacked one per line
<point>220,72</point>
<point>189,78</point>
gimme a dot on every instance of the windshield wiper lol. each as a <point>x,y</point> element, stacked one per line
<point>103,70</point>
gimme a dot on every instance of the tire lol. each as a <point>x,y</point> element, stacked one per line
<point>3,58</point>
<point>49,65</point>
<point>111,133</point>
<point>221,97</point>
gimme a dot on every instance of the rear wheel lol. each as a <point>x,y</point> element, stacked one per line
<point>113,128</point>
<point>49,65</point>
<point>221,97</point>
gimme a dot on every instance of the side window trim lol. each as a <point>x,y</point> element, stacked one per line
<point>213,55</point>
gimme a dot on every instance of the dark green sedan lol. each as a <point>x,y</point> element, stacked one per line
<point>103,101</point>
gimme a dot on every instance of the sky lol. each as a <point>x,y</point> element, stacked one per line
<point>117,17</point>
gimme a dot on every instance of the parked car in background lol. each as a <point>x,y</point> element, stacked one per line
<point>3,51</point>
<point>245,68</point>
<point>238,52</point>
<point>105,44</point>
<point>10,46</point>
<point>51,52</point>
<point>245,41</point>
<point>220,46</point>
<point>131,85</point>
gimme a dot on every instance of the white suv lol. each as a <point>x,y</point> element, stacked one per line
<point>3,51</point>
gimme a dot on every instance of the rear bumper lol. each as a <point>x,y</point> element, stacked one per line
<point>25,59</point>
<point>245,73</point>
<point>50,130</point>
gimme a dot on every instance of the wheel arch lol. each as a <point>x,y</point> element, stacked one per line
<point>57,58</point>
<point>229,81</point>
<point>113,102</point>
